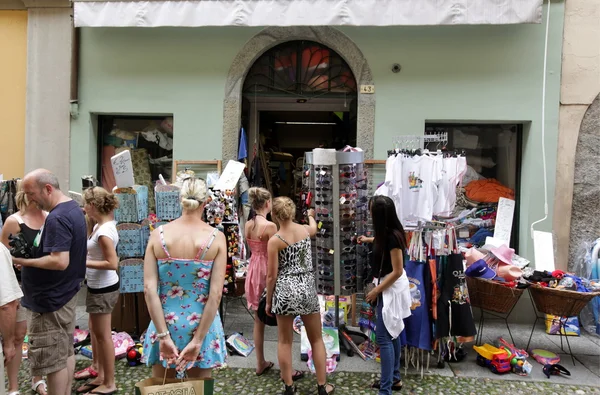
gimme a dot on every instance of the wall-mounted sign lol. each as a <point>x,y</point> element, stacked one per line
<point>367,89</point>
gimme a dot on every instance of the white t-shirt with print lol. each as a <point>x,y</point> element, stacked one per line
<point>96,278</point>
<point>9,287</point>
<point>420,176</point>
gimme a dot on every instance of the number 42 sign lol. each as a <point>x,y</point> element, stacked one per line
<point>368,89</point>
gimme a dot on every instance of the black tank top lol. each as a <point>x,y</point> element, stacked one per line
<point>29,235</point>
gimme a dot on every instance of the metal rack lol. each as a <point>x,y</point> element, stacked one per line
<point>415,142</point>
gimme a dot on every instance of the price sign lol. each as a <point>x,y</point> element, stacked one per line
<point>368,89</point>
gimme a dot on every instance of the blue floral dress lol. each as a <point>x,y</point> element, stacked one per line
<point>184,285</point>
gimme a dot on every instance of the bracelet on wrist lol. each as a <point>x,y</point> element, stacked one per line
<point>162,335</point>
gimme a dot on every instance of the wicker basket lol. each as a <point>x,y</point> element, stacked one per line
<point>131,275</point>
<point>492,296</point>
<point>168,206</point>
<point>127,210</point>
<point>560,302</point>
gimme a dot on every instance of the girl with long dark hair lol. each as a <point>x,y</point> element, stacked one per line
<point>391,290</point>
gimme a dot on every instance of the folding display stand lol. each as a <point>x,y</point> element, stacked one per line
<point>337,196</point>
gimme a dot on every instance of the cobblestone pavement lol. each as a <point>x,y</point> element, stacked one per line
<point>231,381</point>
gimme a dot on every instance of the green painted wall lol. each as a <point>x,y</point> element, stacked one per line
<point>463,73</point>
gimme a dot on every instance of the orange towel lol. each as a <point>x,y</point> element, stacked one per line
<point>488,191</point>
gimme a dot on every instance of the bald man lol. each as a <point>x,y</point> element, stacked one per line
<point>51,281</point>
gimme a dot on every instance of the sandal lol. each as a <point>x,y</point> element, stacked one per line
<point>266,369</point>
<point>322,389</point>
<point>87,373</point>
<point>289,390</point>
<point>396,385</point>
<point>35,387</point>
<point>87,387</point>
<point>297,375</point>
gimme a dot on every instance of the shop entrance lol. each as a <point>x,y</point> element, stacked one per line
<point>286,135</point>
<point>298,96</point>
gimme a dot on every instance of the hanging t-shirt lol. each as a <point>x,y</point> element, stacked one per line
<point>446,198</point>
<point>452,171</point>
<point>420,176</point>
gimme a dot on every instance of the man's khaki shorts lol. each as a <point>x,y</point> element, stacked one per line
<point>51,339</point>
<point>21,313</point>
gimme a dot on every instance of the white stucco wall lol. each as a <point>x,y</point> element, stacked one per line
<point>580,85</point>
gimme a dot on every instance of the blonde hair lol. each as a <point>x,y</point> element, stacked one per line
<point>21,198</point>
<point>258,197</point>
<point>98,197</point>
<point>193,193</point>
<point>284,209</point>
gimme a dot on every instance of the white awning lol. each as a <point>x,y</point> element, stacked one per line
<point>197,13</point>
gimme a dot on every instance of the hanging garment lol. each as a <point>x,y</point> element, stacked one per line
<point>455,317</point>
<point>418,325</point>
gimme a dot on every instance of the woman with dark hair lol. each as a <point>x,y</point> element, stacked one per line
<point>391,290</point>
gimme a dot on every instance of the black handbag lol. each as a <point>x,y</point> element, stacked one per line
<point>261,312</point>
<point>370,286</point>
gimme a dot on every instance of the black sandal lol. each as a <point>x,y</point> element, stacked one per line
<point>289,389</point>
<point>396,386</point>
<point>297,375</point>
<point>322,389</point>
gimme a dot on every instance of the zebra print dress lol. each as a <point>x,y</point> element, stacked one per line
<point>295,290</point>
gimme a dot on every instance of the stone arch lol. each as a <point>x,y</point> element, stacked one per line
<point>272,36</point>
<point>585,221</point>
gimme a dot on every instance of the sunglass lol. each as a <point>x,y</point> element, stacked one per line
<point>349,241</point>
<point>322,210</point>
<point>322,168</point>
<point>325,287</point>
<point>348,228</point>
<point>323,182</point>
<point>324,202</point>
<point>348,262</point>
<point>348,287</point>
<point>349,249</point>
<point>323,234</point>
<point>322,188</point>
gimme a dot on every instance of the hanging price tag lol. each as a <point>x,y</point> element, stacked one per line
<point>342,200</point>
<point>323,172</point>
<point>331,252</point>
<point>320,225</point>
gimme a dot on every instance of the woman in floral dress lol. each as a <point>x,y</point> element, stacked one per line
<point>184,268</point>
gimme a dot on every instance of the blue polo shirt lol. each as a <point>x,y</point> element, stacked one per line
<point>45,290</point>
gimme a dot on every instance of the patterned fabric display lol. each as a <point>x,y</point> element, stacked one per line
<point>168,206</point>
<point>131,274</point>
<point>127,210</point>
<point>130,240</point>
<point>142,201</point>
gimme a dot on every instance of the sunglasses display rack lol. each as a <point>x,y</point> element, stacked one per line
<point>341,208</point>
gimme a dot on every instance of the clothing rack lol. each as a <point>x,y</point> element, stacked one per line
<point>417,142</point>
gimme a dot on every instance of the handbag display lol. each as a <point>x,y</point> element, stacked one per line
<point>370,286</point>
<point>262,313</point>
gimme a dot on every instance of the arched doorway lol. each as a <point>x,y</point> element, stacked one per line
<point>274,36</point>
<point>297,96</point>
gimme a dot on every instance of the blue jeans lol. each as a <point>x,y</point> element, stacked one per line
<point>389,352</point>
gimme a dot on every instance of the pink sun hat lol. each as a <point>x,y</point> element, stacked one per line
<point>506,268</point>
<point>473,255</point>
